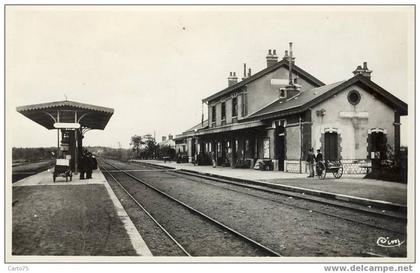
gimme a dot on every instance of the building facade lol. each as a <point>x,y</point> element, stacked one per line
<point>276,115</point>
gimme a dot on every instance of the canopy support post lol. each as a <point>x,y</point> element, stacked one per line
<point>76,149</point>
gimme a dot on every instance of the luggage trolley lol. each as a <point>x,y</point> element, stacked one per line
<point>334,167</point>
<point>62,168</point>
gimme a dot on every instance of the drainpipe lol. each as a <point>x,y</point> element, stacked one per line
<point>58,136</point>
<point>76,149</point>
<point>300,158</point>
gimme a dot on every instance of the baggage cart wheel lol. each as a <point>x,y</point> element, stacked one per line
<point>339,172</point>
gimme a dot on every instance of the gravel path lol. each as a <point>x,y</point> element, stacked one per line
<point>289,230</point>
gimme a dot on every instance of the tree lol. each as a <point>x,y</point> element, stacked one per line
<point>136,143</point>
<point>149,150</point>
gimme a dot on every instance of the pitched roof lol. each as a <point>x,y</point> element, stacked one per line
<point>199,126</point>
<point>192,130</point>
<point>314,96</point>
<point>64,104</point>
<point>46,114</point>
<point>302,73</point>
<point>293,102</point>
<point>168,142</point>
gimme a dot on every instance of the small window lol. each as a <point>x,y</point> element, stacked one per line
<point>213,114</point>
<point>282,93</point>
<point>235,107</point>
<point>244,110</point>
<point>223,110</point>
<point>354,97</point>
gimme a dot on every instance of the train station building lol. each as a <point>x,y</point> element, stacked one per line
<point>277,114</point>
<point>71,120</point>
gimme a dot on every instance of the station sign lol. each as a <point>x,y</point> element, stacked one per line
<point>66,125</point>
<point>280,82</point>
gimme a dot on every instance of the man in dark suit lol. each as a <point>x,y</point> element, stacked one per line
<point>319,156</point>
<point>310,158</point>
<point>319,162</point>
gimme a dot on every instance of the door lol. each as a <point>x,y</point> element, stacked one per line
<point>331,146</point>
<point>280,151</point>
<point>378,144</point>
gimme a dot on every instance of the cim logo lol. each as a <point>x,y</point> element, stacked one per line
<point>386,242</point>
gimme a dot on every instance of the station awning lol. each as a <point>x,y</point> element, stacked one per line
<point>87,115</point>
<point>230,127</point>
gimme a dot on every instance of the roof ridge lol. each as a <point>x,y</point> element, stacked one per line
<point>263,72</point>
<point>308,100</point>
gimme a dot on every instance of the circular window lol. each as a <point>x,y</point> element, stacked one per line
<point>353,97</point>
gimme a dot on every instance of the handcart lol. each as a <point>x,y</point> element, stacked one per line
<point>62,169</point>
<point>324,167</point>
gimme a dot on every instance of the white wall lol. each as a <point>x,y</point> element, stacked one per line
<point>354,133</point>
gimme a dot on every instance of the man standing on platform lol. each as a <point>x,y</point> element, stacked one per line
<point>89,165</point>
<point>319,156</point>
<point>82,165</point>
<point>310,158</point>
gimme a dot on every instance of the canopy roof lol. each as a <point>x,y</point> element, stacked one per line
<point>46,114</point>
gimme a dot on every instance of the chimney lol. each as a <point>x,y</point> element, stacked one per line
<point>292,86</point>
<point>244,72</point>
<point>171,137</point>
<point>232,79</point>
<point>291,63</point>
<point>364,71</point>
<point>286,55</point>
<point>272,58</point>
<point>249,72</point>
<point>163,138</point>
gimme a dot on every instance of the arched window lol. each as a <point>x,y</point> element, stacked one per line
<point>377,143</point>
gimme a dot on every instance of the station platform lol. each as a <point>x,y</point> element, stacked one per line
<point>352,188</point>
<point>77,218</point>
<point>46,178</point>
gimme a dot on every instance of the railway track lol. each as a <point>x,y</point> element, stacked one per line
<point>21,174</point>
<point>358,209</point>
<point>256,248</point>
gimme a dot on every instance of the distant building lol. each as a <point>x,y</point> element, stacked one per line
<point>282,111</point>
<point>167,142</point>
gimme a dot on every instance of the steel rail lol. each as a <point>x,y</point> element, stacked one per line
<point>148,214</point>
<point>306,199</point>
<point>295,195</point>
<point>264,188</point>
<point>205,216</point>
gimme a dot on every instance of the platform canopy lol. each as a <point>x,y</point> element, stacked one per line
<point>87,115</point>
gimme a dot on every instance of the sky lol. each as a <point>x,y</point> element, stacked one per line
<point>154,65</point>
